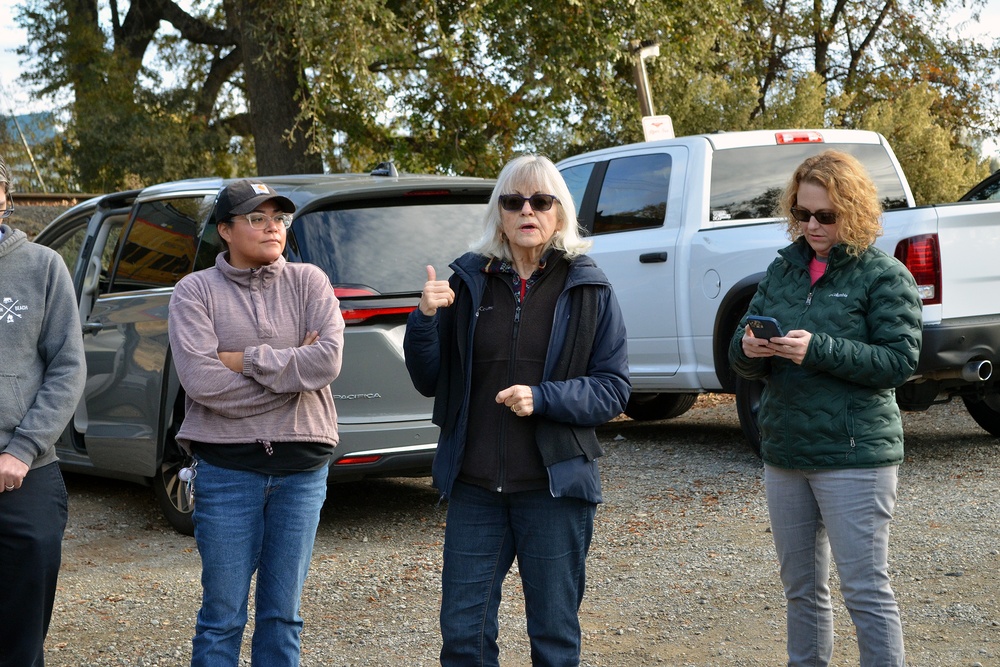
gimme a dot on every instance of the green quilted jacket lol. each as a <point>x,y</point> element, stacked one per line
<point>837,409</point>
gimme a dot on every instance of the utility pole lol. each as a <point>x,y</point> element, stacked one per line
<point>641,51</point>
<point>31,157</point>
<point>24,140</point>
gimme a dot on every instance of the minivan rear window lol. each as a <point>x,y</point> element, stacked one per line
<point>743,189</point>
<point>382,247</point>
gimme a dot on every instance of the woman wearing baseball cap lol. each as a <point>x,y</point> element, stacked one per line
<point>256,343</point>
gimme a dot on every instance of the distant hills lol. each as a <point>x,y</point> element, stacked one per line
<point>36,127</point>
<point>33,129</point>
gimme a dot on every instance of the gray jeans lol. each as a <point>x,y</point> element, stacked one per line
<point>846,513</point>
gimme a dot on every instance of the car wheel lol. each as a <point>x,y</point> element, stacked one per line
<point>649,407</point>
<point>748,393</point>
<point>986,410</point>
<point>170,491</point>
<point>172,495</point>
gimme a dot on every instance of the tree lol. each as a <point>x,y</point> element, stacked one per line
<point>460,86</point>
<point>276,76</point>
<point>126,128</point>
<point>831,64</point>
<point>937,169</point>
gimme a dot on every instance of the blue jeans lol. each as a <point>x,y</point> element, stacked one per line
<point>485,531</point>
<point>246,522</point>
<point>846,514</point>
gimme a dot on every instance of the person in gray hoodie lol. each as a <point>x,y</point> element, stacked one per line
<point>42,380</point>
<point>256,343</point>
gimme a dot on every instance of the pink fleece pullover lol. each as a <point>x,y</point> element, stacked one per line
<point>283,393</point>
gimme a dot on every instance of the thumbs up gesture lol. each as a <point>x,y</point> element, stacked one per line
<point>436,294</point>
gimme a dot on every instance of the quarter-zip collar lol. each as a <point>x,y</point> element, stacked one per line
<point>256,282</point>
<point>265,274</point>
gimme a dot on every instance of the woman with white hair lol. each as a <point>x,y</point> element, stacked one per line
<point>523,349</point>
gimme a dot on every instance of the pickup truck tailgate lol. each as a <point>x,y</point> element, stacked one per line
<point>969,239</point>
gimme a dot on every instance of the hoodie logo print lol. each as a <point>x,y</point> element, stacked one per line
<point>9,309</point>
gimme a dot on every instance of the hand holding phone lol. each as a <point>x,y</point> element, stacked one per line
<point>764,327</point>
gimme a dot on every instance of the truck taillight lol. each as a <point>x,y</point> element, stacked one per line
<point>921,256</point>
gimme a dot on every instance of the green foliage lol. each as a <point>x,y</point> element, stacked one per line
<point>121,132</point>
<point>456,86</point>
<point>937,168</point>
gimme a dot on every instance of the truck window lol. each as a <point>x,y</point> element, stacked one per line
<point>576,180</point>
<point>742,190</point>
<point>634,194</point>
<point>159,248</point>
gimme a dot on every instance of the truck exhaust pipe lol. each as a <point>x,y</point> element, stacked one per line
<point>977,371</point>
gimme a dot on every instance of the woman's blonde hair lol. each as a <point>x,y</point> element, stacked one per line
<point>851,191</point>
<point>531,174</point>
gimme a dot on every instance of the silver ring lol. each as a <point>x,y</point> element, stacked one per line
<point>8,488</point>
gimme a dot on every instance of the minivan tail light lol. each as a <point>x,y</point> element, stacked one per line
<point>798,137</point>
<point>358,460</point>
<point>359,315</point>
<point>922,258</point>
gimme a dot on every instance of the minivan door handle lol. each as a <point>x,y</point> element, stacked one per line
<point>653,257</point>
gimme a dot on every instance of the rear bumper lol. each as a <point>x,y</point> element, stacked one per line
<point>399,449</point>
<point>952,344</point>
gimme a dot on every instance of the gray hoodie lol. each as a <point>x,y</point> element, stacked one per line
<point>283,393</point>
<point>43,370</point>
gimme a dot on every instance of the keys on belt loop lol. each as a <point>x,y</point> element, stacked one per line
<point>186,477</point>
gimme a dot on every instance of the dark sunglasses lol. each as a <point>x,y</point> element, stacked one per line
<point>536,202</point>
<point>822,217</point>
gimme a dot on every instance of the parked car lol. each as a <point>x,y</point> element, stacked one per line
<point>372,233</point>
<point>987,189</point>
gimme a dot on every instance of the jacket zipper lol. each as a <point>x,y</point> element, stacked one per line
<point>501,450</point>
<point>849,421</point>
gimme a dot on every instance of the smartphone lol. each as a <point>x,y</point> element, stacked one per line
<point>764,327</point>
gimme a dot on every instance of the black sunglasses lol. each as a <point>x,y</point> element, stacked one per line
<point>537,202</point>
<point>822,217</point>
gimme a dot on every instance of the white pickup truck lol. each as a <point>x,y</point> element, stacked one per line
<point>684,228</point>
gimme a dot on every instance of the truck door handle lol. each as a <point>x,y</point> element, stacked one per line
<point>92,327</point>
<point>652,257</point>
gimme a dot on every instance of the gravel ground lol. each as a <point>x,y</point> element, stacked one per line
<point>681,571</point>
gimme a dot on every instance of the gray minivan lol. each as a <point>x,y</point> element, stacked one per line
<point>373,234</point>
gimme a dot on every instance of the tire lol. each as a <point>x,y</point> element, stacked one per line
<point>748,394</point>
<point>651,407</point>
<point>170,493</point>
<point>986,411</point>
<point>172,496</point>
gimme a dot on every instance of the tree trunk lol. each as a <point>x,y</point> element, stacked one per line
<point>274,88</point>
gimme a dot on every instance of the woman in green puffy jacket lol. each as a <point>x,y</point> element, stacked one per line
<point>831,434</point>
